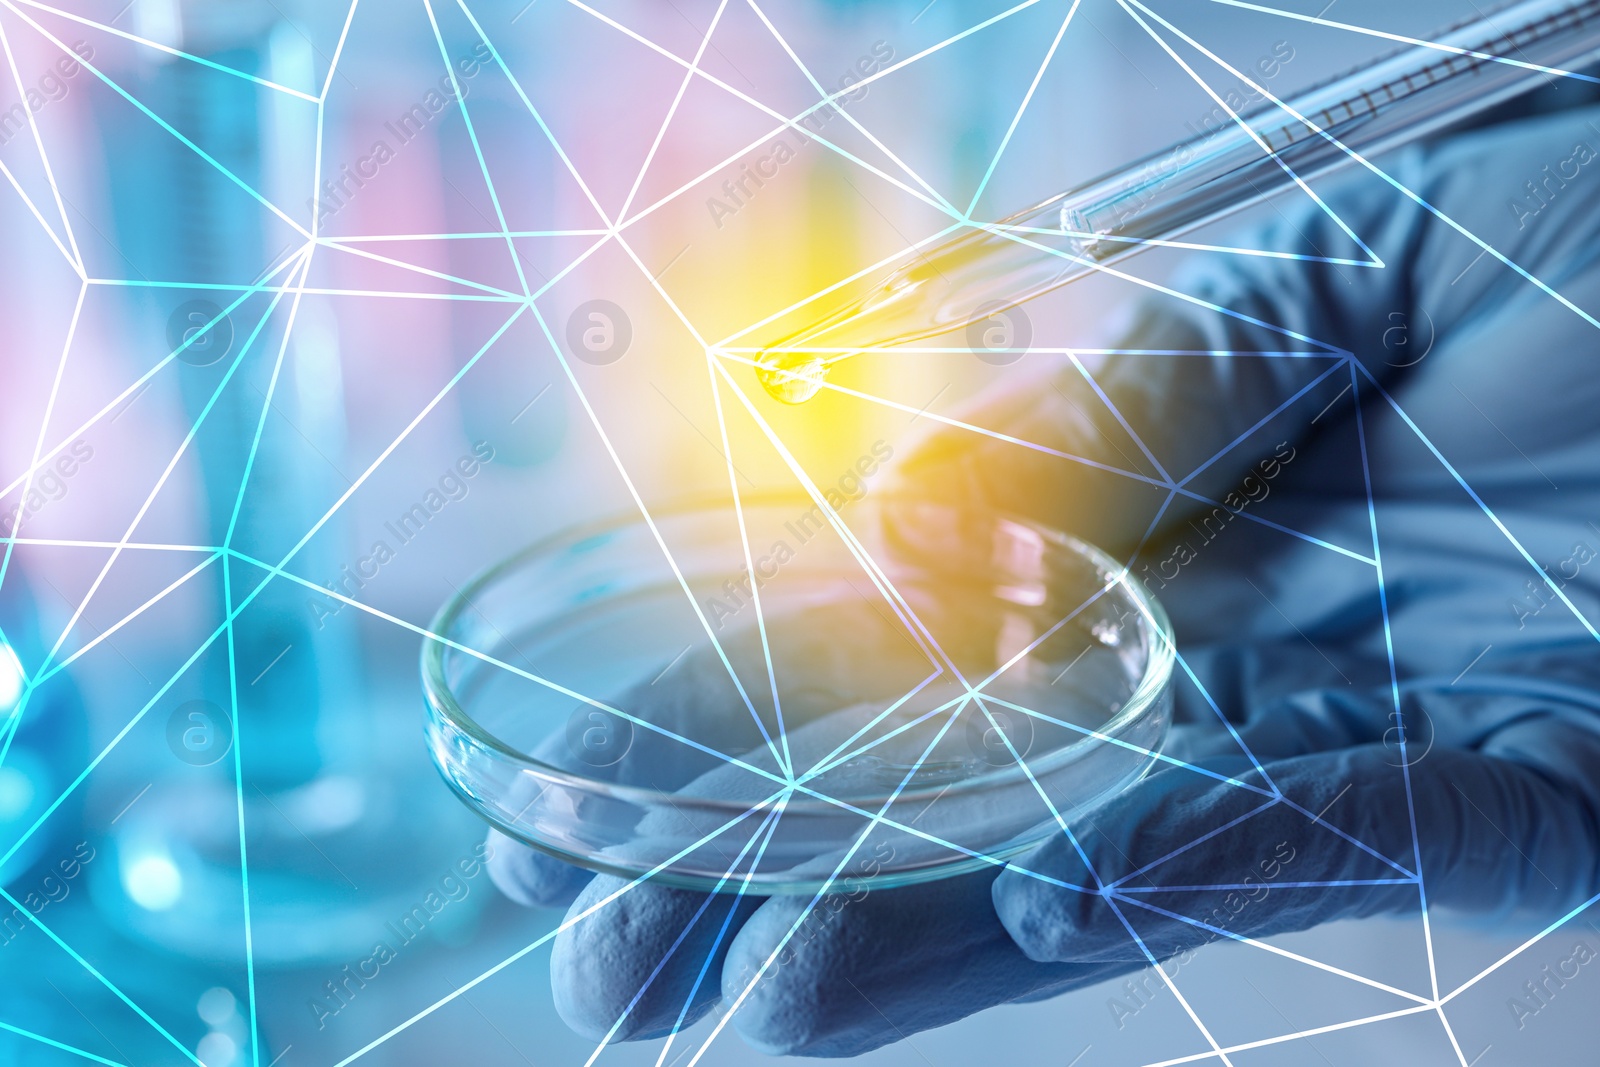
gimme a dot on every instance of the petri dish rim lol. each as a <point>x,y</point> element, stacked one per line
<point>441,702</point>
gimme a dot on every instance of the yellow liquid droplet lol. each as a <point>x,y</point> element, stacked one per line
<point>792,377</point>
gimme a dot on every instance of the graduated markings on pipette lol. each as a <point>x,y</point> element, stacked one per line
<point>1477,241</point>
<point>1261,139</point>
<point>1157,242</point>
<point>1377,171</point>
<point>1414,41</point>
<point>1416,846</point>
<point>1287,170</point>
<point>1439,71</point>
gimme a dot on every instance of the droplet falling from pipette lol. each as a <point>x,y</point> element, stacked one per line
<point>793,370</point>
<point>939,291</point>
<point>792,377</point>
<point>1392,101</point>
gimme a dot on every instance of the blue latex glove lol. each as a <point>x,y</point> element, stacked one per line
<point>1287,636</point>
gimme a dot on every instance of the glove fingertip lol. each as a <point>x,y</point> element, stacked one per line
<point>1036,915</point>
<point>776,1029</point>
<point>531,878</point>
<point>778,1013</point>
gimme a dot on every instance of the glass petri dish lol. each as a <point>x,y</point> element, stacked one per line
<point>799,701</point>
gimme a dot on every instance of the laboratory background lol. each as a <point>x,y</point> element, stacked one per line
<point>311,313</point>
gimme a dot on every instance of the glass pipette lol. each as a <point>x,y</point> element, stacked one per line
<point>1378,106</point>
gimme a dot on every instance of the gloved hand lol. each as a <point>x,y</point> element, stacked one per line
<point>1473,771</point>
